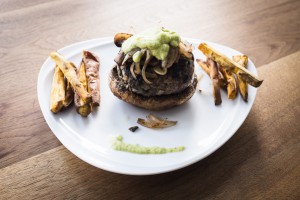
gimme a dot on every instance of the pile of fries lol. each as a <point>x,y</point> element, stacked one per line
<point>229,74</point>
<point>80,85</point>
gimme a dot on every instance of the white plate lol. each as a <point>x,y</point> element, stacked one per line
<point>202,127</point>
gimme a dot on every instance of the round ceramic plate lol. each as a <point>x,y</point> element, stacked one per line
<point>202,127</point>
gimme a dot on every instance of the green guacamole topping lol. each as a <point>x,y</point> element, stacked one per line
<point>119,145</point>
<point>157,40</point>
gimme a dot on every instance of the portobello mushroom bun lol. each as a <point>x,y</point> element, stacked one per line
<point>154,69</point>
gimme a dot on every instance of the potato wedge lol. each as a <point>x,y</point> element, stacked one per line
<point>243,87</point>
<point>83,108</point>
<point>241,59</point>
<point>57,91</point>
<point>205,67</point>
<point>231,83</point>
<point>230,65</point>
<point>120,38</point>
<point>92,65</point>
<point>69,72</point>
<point>214,76</point>
<point>69,96</point>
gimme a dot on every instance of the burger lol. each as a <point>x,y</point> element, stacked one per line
<point>154,69</point>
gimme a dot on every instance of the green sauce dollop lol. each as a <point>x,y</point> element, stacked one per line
<point>157,40</point>
<point>119,145</point>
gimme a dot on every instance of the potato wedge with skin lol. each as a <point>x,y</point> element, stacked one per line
<point>241,59</point>
<point>83,108</point>
<point>214,76</point>
<point>243,87</point>
<point>57,95</point>
<point>92,65</point>
<point>205,67</point>
<point>69,72</point>
<point>120,38</point>
<point>231,83</point>
<point>230,65</point>
<point>69,96</point>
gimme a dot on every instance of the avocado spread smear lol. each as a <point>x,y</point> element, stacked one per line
<point>119,145</point>
<point>156,40</point>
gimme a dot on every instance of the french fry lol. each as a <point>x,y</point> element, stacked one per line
<point>83,108</point>
<point>69,72</point>
<point>243,87</point>
<point>91,63</point>
<point>205,67</point>
<point>57,95</point>
<point>69,96</point>
<point>214,76</point>
<point>230,65</point>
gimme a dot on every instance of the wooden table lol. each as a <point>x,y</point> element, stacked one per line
<point>261,161</point>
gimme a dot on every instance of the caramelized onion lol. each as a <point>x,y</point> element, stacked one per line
<point>150,75</point>
<point>144,75</point>
<point>124,76</point>
<point>148,58</point>
<point>131,70</point>
<point>185,49</point>
<point>155,122</point>
<point>120,57</point>
<point>171,58</point>
<point>127,56</point>
<point>160,71</point>
<point>137,68</point>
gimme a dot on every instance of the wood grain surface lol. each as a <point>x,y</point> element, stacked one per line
<point>265,30</point>
<point>261,161</point>
<point>29,30</point>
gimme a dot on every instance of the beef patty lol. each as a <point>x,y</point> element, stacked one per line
<point>178,78</point>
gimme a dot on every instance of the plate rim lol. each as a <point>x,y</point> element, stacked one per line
<point>103,165</point>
